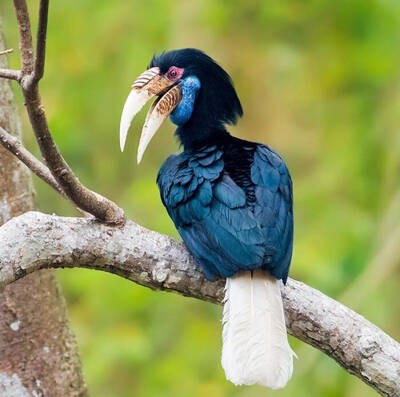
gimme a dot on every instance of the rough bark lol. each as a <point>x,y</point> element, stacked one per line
<point>35,241</point>
<point>38,355</point>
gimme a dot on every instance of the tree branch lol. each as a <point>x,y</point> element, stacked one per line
<point>10,74</point>
<point>85,199</point>
<point>25,42</point>
<point>40,358</point>
<point>7,51</point>
<point>35,241</point>
<point>13,145</point>
<point>41,41</point>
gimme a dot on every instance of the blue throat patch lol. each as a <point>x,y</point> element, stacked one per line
<point>182,113</point>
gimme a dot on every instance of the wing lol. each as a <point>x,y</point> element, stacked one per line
<point>209,210</point>
<point>274,209</point>
<point>223,229</point>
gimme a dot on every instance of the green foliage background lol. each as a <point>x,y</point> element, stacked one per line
<point>319,82</point>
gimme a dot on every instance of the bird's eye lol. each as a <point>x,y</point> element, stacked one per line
<point>174,73</point>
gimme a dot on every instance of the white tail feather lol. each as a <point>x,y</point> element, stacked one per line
<point>255,345</point>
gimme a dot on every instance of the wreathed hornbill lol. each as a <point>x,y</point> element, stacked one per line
<point>231,201</point>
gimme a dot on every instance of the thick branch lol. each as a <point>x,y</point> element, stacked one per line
<point>34,241</point>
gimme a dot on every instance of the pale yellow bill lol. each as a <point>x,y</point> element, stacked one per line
<point>137,98</point>
<point>157,114</point>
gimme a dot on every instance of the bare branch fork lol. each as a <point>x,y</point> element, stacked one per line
<point>35,241</point>
<point>28,78</point>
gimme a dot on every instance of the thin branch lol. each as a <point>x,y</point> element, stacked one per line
<point>25,35</point>
<point>85,199</point>
<point>41,40</point>
<point>12,144</point>
<point>10,74</point>
<point>5,52</point>
<point>35,241</point>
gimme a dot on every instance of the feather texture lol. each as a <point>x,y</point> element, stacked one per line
<point>232,206</point>
<point>255,345</point>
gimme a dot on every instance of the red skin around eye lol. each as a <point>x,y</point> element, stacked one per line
<point>174,73</point>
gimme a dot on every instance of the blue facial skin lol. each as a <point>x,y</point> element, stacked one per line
<point>190,85</point>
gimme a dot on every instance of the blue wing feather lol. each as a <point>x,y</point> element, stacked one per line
<point>228,193</point>
<point>274,207</point>
<point>224,226</point>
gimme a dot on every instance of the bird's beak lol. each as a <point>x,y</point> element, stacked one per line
<point>147,85</point>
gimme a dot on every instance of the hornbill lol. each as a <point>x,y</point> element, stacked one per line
<point>231,201</point>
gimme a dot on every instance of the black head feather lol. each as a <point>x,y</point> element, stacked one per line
<point>217,103</point>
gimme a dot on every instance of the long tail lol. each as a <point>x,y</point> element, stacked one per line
<point>255,345</point>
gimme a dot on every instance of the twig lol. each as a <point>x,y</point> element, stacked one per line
<point>4,52</point>
<point>17,148</point>
<point>41,41</point>
<point>25,35</point>
<point>10,74</point>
